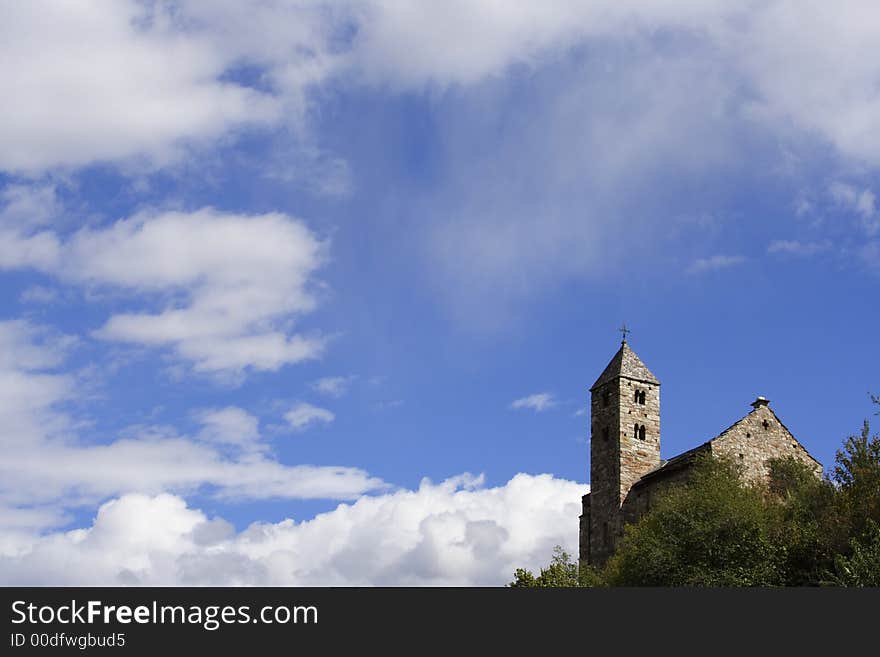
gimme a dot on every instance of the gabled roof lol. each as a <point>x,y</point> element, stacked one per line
<point>686,459</point>
<point>756,406</point>
<point>676,463</point>
<point>626,364</point>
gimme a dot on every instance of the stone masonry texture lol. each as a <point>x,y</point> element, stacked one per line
<point>626,471</point>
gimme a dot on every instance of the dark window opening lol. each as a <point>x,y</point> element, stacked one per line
<point>639,397</point>
<point>642,432</point>
<point>766,424</point>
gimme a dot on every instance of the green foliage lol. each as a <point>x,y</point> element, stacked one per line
<point>714,530</point>
<point>857,475</point>
<point>805,517</point>
<point>591,577</point>
<point>862,566</point>
<point>562,572</point>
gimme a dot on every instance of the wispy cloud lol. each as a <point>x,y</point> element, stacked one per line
<point>49,465</point>
<point>714,263</point>
<point>304,415</point>
<point>861,201</point>
<point>795,247</point>
<point>538,402</point>
<point>333,386</point>
<point>38,294</point>
<point>870,254</point>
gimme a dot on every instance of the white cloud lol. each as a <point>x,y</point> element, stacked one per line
<point>539,402</point>
<point>795,247</point>
<point>453,533</point>
<point>28,348</point>
<point>304,415</point>
<point>49,465</point>
<point>333,386</point>
<point>38,294</point>
<point>714,263</point>
<point>810,64</point>
<point>24,211</point>
<point>229,284</point>
<point>109,79</point>
<point>231,426</point>
<point>862,202</point>
<point>26,206</point>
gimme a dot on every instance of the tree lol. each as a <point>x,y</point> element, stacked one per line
<point>805,522</point>
<point>715,530</point>
<point>562,572</point>
<point>862,566</point>
<point>857,475</point>
<point>710,531</point>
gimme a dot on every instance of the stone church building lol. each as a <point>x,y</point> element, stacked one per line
<point>625,465</point>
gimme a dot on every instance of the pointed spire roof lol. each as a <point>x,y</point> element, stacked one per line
<point>626,364</point>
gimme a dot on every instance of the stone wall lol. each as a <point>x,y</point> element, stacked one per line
<point>604,471</point>
<point>625,447</point>
<point>584,531</point>
<point>638,455</point>
<point>758,438</point>
<point>752,442</point>
<point>620,453</point>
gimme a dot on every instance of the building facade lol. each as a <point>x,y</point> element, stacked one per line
<point>626,470</point>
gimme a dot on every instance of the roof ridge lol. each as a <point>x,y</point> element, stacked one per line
<point>626,363</point>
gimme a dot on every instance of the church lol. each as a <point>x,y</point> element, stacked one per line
<point>626,470</point>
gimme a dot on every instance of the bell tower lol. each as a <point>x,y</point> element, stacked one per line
<point>624,445</point>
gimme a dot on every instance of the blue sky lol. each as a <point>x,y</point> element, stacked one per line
<point>274,275</point>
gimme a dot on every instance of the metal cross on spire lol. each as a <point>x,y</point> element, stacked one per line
<point>625,332</point>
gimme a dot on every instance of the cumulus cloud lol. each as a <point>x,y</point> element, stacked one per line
<point>108,80</point>
<point>304,415</point>
<point>229,284</point>
<point>538,402</point>
<point>457,532</point>
<point>714,263</point>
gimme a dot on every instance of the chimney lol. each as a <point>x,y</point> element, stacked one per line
<point>760,401</point>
